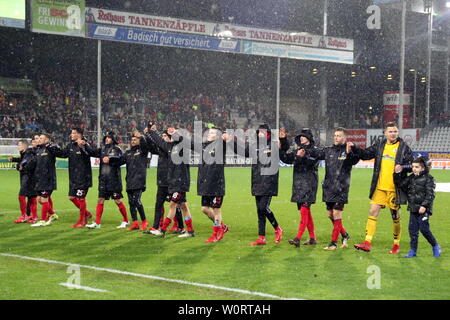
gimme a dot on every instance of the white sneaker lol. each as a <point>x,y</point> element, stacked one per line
<point>49,222</point>
<point>41,223</point>
<point>123,225</point>
<point>53,217</point>
<point>93,226</point>
<point>157,233</point>
<point>345,241</point>
<point>187,234</point>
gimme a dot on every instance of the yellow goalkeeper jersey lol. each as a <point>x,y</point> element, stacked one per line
<point>386,178</point>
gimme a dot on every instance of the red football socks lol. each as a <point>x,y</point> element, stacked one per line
<point>45,208</point>
<point>82,203</point>
<point>336,230</point>
<point>189,224</point>
<point>166,224</point>
<point>312,234</point>
<point>33,207</point>
<point>98,213</point>
<point>303,222</point>
<point>23,205</point>
<point>123,211</point>
<point>342,229</point>
<point>76,202</point>
<point>50,210</point>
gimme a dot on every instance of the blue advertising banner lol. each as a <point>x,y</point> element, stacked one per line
<point>296,52</point>
<point>162,38</point>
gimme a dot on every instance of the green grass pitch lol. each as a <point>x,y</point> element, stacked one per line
<point>279,270</point>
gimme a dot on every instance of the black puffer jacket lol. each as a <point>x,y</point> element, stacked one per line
<point>263,183</point>
<point>305,175</point>
<point>403,157</point>
<point>163,162</point>
<point>163,168</point>
<point>109,177</point>
<point>419,190</point>
<point>338,167</point>
<point>136,160</point>
<point>26,165</point>
<point>45,172</point>
<point>80,171</point>
<point>178,175</point>
<point>211,176</point>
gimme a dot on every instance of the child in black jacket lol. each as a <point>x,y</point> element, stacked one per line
<point>419,187</point>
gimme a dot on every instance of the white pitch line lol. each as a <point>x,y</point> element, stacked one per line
<point>146,276</point>
<point>75,286</point>
<point>442,187</point>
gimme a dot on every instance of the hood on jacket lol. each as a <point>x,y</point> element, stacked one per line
<point>265,127</point>
<point>307,133</point>
<point>112,135</point>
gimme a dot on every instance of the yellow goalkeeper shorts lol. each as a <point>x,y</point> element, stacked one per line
<point>385,199</point>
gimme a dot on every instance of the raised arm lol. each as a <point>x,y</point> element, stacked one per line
<point>116,157</point>
<point>89,150</point>
<point>353,156</point>
<point>317,153</point>
<point>368,153</point>
<point>153,137</point>
<point>118,160</point>
<point>287,155</point>
<point>152,147</point>
<point>57,151</point>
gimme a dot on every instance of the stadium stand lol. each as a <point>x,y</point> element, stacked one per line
<point>434,139</point>
<point>54,108</point>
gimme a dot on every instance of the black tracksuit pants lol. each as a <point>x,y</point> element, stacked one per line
<point>264,212</point>
<point>420,222</point>
<point>134,200</point>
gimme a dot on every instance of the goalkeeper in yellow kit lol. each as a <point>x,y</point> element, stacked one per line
<point>391,155</point>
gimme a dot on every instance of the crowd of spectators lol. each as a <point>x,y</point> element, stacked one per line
<point>367,121</point>
<point>55,108</point>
